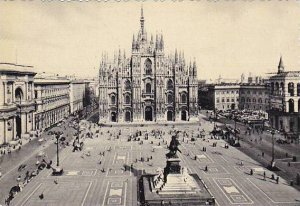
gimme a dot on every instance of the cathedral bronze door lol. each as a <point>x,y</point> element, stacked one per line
<point>148,113</point>
<point>169,116</point>
<point>113,117</point>
<point>183,115</point>
<point>127,116</point>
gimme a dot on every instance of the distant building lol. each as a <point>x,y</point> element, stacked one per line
<point>77,95</point>
<point>254,97</point>
<point>220,96</point>
<point>52,96</point>
<point>16,101</point>
<point>234,96</point>
<point>285,100</point>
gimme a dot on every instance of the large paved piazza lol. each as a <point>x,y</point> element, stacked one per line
<point>83,182</point>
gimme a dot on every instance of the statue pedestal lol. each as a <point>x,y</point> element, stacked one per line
<point>173,166</point>
<point>175,185</point>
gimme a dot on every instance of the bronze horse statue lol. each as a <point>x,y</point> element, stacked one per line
<point>173,147</point>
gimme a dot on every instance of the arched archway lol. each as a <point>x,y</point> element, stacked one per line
<point>127,116</point>
<point>113,117</point>
<point>169,115</point>
<point>291,105</point>
<point>148,113</point>
<point>18,95</point>
<point>18,126</point>
<point>183,115</point>
<point>291,88</point>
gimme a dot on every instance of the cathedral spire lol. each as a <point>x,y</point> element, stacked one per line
<point>162,42</point>
<point>194,68</point>
<point>156,42</point>
<point>119,57</point>
<point>280,66</point>
<point>142,20</point>
<point>133,42</point>
<point>176,56</point>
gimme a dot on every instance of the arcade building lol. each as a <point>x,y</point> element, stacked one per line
<point>149,85</point>
<point>17,103</point>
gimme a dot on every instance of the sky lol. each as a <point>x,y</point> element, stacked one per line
<point>226,38</point>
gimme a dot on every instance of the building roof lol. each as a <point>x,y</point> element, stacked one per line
<point>286,74</point>
<point>11,68</point>
<point>50,81</point>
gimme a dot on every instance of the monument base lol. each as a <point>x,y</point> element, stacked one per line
<point>178,190</point>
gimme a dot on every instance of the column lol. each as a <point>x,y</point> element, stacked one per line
<point>2,137</point>
<point>2,89</point>
<point>12,93</point>
<point>15,127</point>
<point>5,92</point>
<point>4,129</point>
<point>26,92</point>
<point>24,123</point>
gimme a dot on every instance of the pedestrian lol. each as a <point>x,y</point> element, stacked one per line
<point>262,154</point>
<point>277,180</point>
<point>206,169</point>
<point>41,196</point>
<point>251,171</point>
<point>264,175</point>
<point>19,178</point>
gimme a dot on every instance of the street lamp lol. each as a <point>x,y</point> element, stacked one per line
<point>272,162</point>
<point>215,118</point>
<point>58,170</point>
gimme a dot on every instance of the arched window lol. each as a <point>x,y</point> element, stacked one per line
<point>148,67</point>
<point>170,85</point>
<point>277,88</point>
<point>113,99</point>
<point>291,105</point>
<point>127,85</point>
<point>183,98</point>
<point>254,100</point>
<point>243,99</point>
<point>18,95</point>
<point>291,88</point>
<point>272,88</point>
<point>148,88</point>
<point>298,89</point>
<point>127,99</point>
<point>170,98</point>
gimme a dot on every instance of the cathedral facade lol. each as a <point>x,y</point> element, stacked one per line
<point>148,86</point>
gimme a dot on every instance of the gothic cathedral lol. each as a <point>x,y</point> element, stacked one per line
<point>148,86</point>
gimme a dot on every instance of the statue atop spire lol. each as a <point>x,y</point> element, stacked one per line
<point>280,66</point>
<point>142,20</point>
